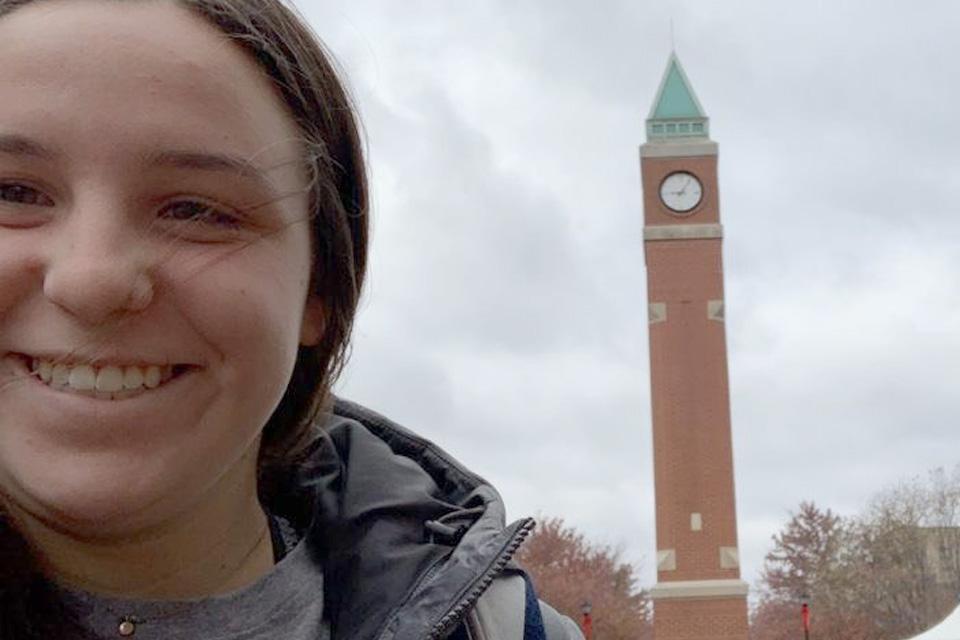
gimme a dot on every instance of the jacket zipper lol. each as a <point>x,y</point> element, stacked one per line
<point>499,563</point>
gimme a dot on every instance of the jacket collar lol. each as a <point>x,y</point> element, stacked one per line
<point>408,538</point>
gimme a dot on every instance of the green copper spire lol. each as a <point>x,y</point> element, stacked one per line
<point>676,112</point>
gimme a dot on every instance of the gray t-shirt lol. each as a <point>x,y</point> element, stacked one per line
<point>285,603</point>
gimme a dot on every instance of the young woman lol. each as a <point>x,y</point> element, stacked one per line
<point>183,230</point>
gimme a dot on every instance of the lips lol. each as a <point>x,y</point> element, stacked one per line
<point>105,381</point>
<point>92,420</point>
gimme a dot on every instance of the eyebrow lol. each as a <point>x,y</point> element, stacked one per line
<point>18,145</point>
<point>206,161</point>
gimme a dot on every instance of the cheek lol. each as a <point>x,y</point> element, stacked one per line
<point>21,270</point>
<point>248,309</point>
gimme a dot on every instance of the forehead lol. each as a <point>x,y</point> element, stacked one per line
<point>109,77</point>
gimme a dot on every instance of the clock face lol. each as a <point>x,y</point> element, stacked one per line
<point>681,191</point>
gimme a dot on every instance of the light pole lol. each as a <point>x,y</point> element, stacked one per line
<point>587,623</point>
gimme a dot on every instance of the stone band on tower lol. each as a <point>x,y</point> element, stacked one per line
<point>699,593</point>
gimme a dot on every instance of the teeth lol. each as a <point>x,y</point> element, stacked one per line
<point>132,378</point>
<point>110,379</point>
<point>151,377</point>
<point>82,378</point>
<point>61,375</point>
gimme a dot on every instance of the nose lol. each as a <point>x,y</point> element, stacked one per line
<point>97,269</point>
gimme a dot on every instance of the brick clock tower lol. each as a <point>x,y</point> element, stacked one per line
<point>699,594</point>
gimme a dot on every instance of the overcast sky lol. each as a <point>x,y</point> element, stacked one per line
<point>506,313</point>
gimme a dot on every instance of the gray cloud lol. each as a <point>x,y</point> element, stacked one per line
<point>506,313</point>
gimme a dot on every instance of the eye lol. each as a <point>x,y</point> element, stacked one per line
<point>21,194</point>
<point>202,212</point>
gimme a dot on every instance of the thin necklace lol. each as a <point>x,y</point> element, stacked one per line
<point>127,623</point>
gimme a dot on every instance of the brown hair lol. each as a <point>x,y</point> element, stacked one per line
<point>281,42</point>
<point>293,55</point>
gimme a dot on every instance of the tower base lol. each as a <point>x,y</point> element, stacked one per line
<point>701,610</point>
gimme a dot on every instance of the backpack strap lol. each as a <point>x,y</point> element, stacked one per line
<point>544,622</point>
<point>500,613</point>
<point>510,610</point>
<point>533,628</point>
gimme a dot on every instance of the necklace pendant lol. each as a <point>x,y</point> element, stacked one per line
<point>127,628</point>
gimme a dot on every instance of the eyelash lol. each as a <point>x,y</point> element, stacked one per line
<point>199,211</point>
<point>206,214</point>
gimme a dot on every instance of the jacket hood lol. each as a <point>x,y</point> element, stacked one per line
<point>408,538</point>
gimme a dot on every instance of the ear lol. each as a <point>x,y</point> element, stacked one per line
<point>314,323</point>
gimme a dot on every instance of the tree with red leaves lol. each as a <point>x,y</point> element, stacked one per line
<point>568,570</point>
<point>889,574</point>
<point>813,559</point>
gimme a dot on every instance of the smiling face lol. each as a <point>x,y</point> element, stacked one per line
<point>154,245</point>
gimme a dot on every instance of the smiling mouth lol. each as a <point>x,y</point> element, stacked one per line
<point>103,382</point>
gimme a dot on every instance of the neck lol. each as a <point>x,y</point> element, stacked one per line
<point>219,545</point>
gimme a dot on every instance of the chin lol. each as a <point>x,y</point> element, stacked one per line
<point>89,500</point>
